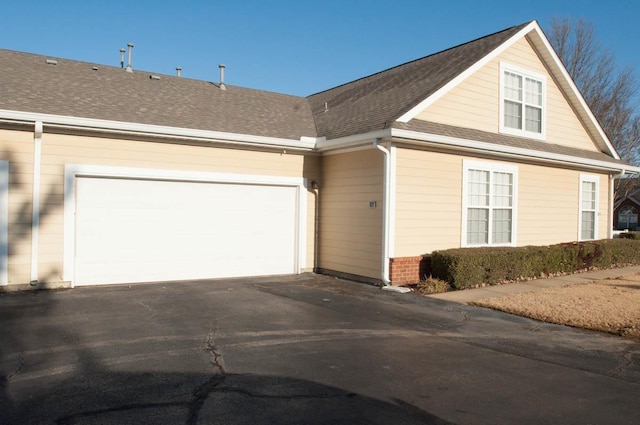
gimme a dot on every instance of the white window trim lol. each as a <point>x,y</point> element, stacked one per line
<point>492,167</point>
<point>72,171</point>
<point>533,75</point>
<point>590,178</point>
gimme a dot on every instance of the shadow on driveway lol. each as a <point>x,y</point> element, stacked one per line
<point>150,398</point>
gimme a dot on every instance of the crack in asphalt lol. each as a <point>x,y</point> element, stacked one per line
<point>216,356</point>
<point>15,371</point>
<point>194,406</point>
<point>202,393</point>
<point>627,358</point>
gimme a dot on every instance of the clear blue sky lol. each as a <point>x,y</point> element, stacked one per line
<point>289,46</point>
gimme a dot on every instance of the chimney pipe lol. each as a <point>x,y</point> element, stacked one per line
<point>179,71</point>
<point>222,67</point>
<point>129,69</point>
<point>122,58</point>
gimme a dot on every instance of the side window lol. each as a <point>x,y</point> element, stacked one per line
<point>588,208</point>
<point>522,102</point>
<point>489,204</point>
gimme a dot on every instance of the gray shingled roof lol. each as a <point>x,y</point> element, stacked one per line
<point>374,102</point>
<point>73,88</point>
<point>503,140</point>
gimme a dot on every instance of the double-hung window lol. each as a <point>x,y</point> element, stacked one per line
<point>489,204</point>
<point>588,207</point>
<point>522,102</point>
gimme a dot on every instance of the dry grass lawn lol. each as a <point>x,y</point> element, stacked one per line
<point>611,305</point>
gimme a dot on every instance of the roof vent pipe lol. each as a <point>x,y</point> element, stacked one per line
<point>122,58</point>
<point>179,71</point>
<point>129,69</point>
<point>222,67</point>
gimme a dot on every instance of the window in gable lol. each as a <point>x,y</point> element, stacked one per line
<point>522,110</point>
<point>489,203</point>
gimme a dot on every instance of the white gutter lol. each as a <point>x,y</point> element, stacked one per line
<point>156,130</point>
<point>612,178</point>
<point>419,138</point>
<point>385,211</point>
<point>416,136</point>
<point>351,141</point>
<point>35,206</point>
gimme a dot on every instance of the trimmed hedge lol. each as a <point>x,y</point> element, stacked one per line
<point>630,235</point>
<point>468,267</point>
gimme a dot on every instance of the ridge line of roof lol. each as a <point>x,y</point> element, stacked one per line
<point>144,72</point>
<point>422,58</point>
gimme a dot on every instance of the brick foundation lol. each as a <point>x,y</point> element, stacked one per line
<point>407,270</point>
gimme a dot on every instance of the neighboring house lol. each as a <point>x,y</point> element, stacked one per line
<point>109,176</point>
<point>625,212</point>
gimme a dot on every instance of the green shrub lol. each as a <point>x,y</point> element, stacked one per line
<point>630,235</point>
<point>469,267</point>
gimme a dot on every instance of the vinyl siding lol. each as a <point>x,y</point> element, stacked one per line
<point>58,150</point>
<point>475,102</point>
<point>16,147</point>
<point>429,203</point>
<point>549,205</point>
<point>351,231</point>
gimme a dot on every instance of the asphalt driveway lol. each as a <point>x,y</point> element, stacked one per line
<point>299,350</point>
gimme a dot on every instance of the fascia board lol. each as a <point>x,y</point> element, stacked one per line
<point>508,151</point>
<point>156,130</point>
<point>413,112</point>
<point>583,104</point>
<point>533,26</point>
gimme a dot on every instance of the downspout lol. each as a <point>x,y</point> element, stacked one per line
<point>385,211</point>
<point>35,211</point>
<point>612,191</point>
<point>315,187</point>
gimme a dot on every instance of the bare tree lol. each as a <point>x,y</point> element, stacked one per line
<point>610,91</point>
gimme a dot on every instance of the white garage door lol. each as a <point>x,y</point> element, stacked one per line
<point>148,230</point>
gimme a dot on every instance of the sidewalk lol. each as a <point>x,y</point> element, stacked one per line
<point>470,295</point>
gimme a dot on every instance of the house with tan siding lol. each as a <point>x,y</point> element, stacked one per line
<point>111,175</point>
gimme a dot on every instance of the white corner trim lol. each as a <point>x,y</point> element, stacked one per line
<point>4,223</point>
<point>156,130</point>
<point>73,171</point>
<point>301,237</point>
<point>413,112</point>
<point>393,166</point>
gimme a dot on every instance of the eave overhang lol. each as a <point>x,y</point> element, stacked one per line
<point>416,139</point>
<point>148,130</point>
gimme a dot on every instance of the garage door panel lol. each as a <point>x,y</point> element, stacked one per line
<point>147,230</point>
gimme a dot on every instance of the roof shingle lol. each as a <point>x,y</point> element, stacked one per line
<point>73,88</point>
<point>373,102</point>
